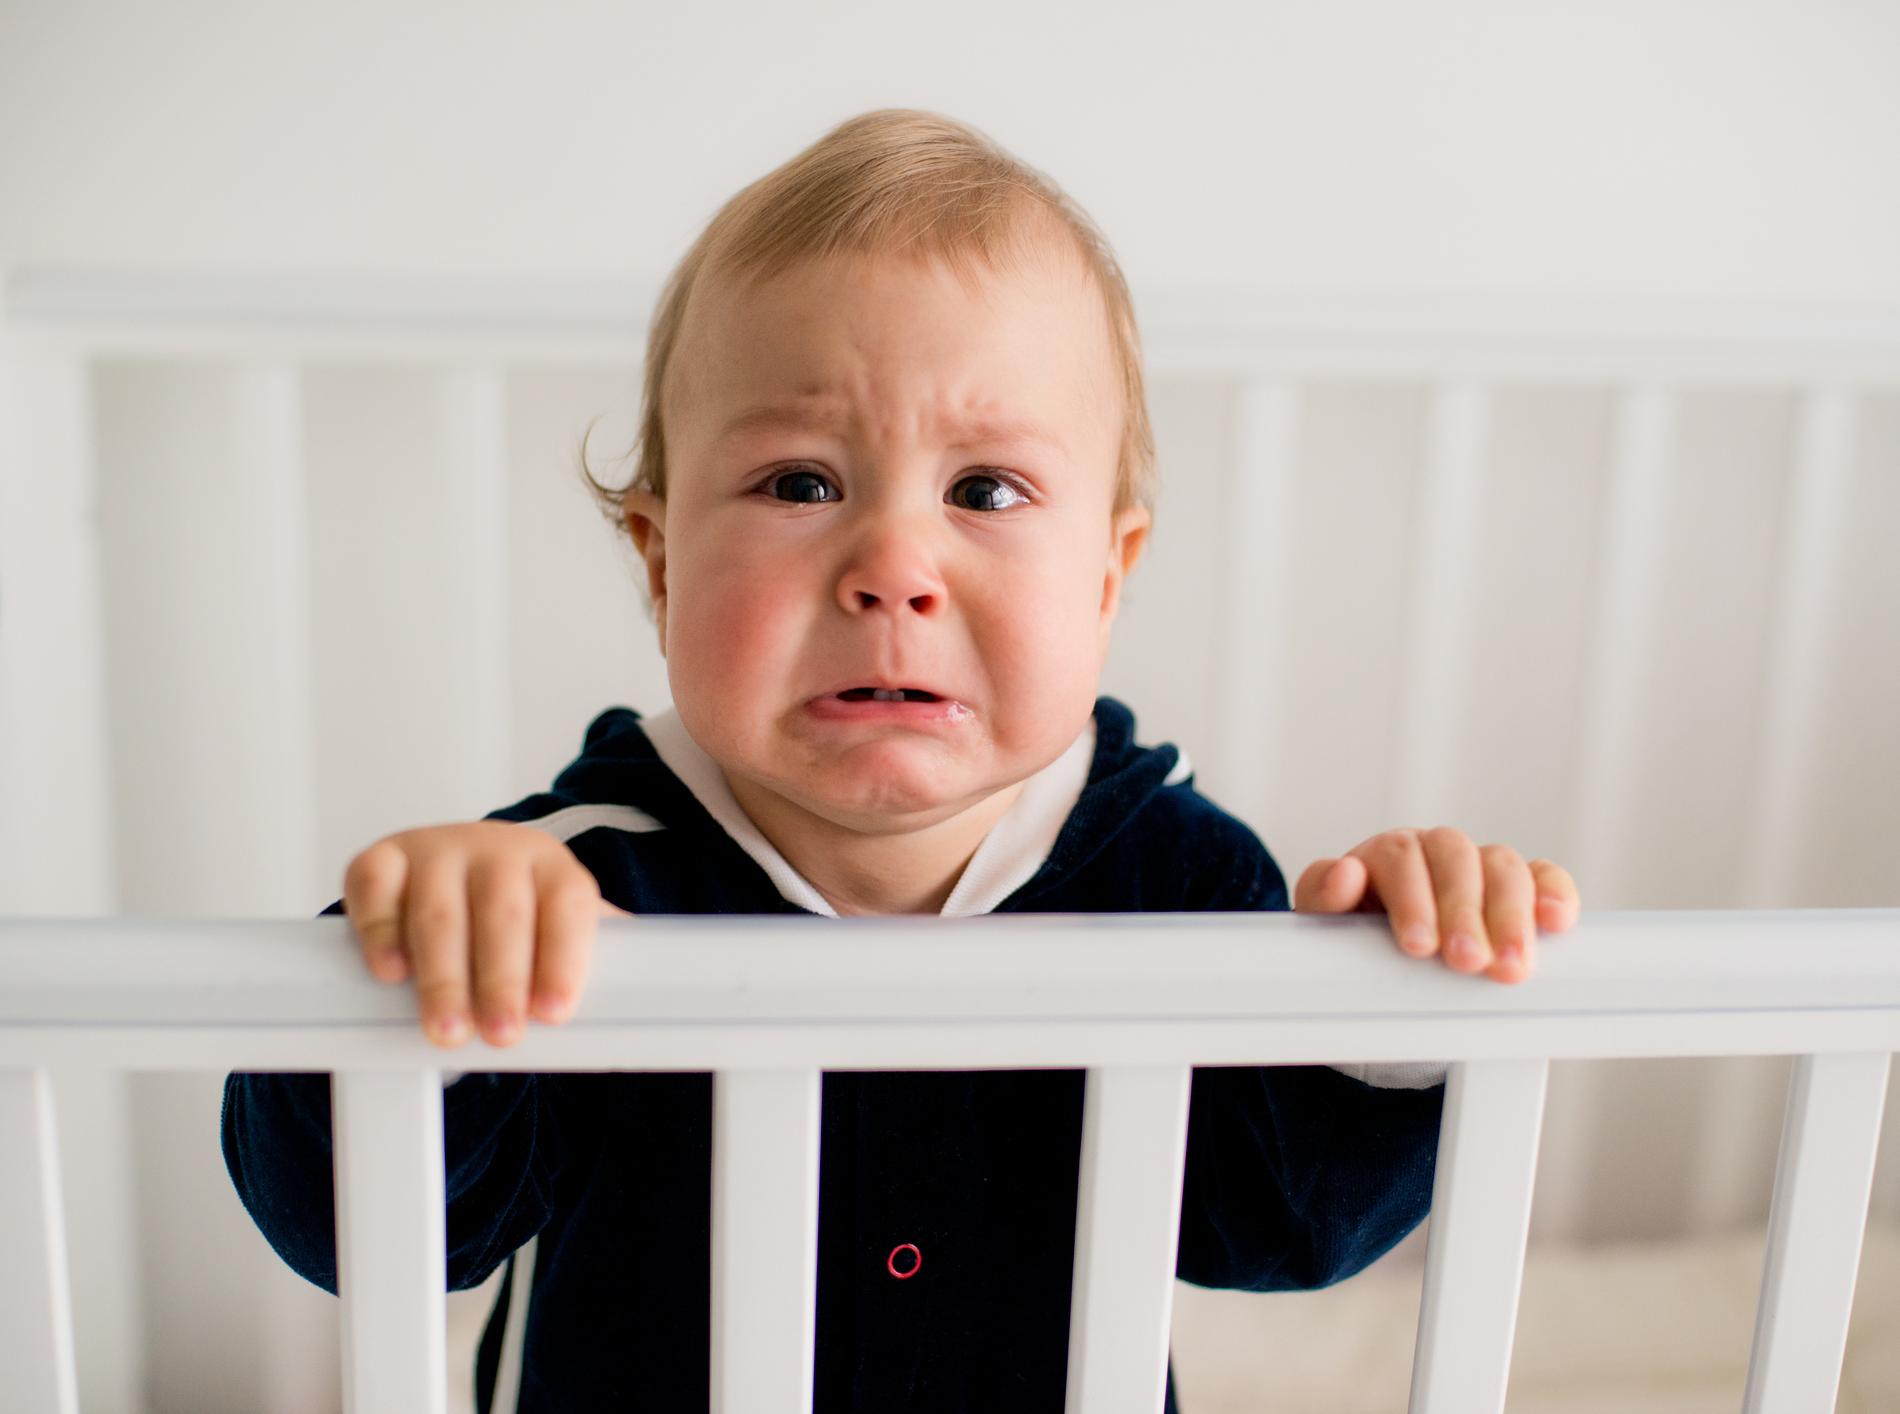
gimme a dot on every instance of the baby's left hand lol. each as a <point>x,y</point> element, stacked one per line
<point>1480,908</point>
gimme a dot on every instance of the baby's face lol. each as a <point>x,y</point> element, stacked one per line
<point>878,478</point>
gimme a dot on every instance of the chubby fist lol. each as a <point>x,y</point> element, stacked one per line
<point>494,912</point>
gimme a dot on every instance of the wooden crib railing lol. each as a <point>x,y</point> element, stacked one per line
<point>1137,1000</point>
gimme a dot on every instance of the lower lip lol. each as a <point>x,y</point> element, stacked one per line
<point>945,711</point>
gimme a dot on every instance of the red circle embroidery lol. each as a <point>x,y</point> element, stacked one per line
<point>890,1262</point>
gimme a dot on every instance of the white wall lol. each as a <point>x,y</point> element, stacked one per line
<point>1642,145</point>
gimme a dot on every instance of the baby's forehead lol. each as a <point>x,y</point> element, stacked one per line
<point>1032,329</point>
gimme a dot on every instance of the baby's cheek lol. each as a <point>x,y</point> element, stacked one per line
<point>1050,659</point>
<point>721,630</point>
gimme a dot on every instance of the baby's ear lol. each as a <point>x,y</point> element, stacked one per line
<point>646,525</point>
<point>1127,538</point>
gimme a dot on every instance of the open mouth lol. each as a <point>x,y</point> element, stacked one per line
<point>887,708</point>
<point>887,694</point>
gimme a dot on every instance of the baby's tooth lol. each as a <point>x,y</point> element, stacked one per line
<point>888,695</point>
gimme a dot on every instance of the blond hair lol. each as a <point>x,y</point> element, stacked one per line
<point>894,180</point>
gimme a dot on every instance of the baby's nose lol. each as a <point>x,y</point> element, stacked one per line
<point>892,575</point>
<point>864,599</point>
<point>922,603</point>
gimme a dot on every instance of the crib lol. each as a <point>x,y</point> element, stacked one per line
<point>1136,1000</point>
<point>1683,502</point>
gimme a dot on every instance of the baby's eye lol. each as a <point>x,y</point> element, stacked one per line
<point>987,493</point>
<point>805,486</point>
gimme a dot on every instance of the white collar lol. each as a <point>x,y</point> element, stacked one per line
<point>1008,857</point>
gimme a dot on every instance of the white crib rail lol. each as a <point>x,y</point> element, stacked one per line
<point>764,1237</point>
<point>1136,999</point>
<point>1481,1216</point>
<point>1814,1231</point>
<point>1128,1206</point>
<point>35,1301</point>
<point>392,1250</point>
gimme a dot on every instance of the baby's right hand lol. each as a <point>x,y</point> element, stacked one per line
<point>487,907</point>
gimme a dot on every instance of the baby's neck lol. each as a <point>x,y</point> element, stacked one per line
<point>859,873</point>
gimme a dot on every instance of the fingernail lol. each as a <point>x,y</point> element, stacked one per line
<point>1465,950</point>
<point>450,1030</point>
<point>552,1006</point>
<point>503,1030</point>
<point>1417,940</point>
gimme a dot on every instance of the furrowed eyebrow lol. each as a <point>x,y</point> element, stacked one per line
<point>795,417</point>
<point>780,417</point>
<point>1005,430</point>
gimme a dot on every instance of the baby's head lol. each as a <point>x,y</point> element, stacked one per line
<point>894,436</point>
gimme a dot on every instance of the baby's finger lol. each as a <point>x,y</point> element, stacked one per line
<point>1396,870</point>
<point>565,924</point>
<point>1508,895</point>
<point>501,924</point>
<point>435,924</point>
<point>1558,902</point>
<point>1458,886</point>
<point>1331,886</point>
<point>372,900</point>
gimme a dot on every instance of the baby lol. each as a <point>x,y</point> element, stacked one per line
<point>895,465</point>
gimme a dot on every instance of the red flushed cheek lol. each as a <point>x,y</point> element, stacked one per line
<point>730,634</point>
<point>743,606</point>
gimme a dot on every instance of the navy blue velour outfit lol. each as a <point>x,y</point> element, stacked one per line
<point>947,1200</point>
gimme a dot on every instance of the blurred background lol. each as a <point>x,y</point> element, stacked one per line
<point>1527,386</point>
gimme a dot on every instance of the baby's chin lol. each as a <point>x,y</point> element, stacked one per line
<point>889,804</point>
<point>883,793</point>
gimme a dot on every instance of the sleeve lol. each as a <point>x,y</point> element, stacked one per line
<point>502,1157</point>
<point>1300,1176</point>
<point>1296,1176</point>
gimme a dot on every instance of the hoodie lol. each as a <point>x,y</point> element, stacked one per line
<point>947,1199</point>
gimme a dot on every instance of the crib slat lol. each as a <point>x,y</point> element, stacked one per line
<point>1632,555</point>
<point>1445,557</point>
<point>764,1240</point>
<point>1481,1212</point>
<point>1822,1180</point>
<point>276,715</point>
<point>36,1313</point>
<point>391,1247</point>
<point>55,786</point>
<point>1260,546</point>
<point>1127,1226</point>
<point>1816,519</point>
<point>474,420</point>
